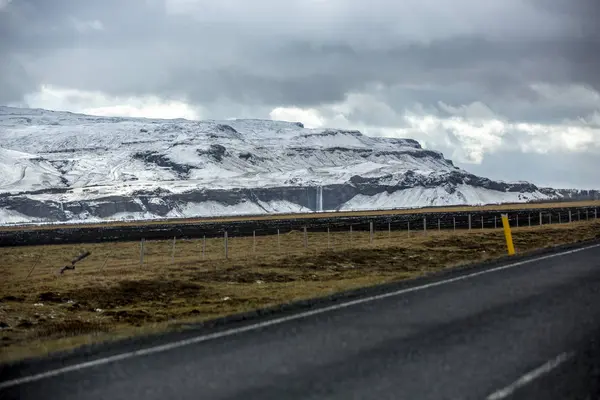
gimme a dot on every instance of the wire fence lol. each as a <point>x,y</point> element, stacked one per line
<point>265,244</point>
<point>311,240</point>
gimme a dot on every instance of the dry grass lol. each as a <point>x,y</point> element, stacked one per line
<point>516,206</point>
<point>110,294</point>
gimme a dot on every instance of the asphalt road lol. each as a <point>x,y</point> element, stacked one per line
<point>516,331</point>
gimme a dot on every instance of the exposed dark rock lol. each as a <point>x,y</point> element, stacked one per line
<point>161,202</point>
<point>157,205</point>
<point>153,157</point>
<point>226,128</point>
<point>77,150</point>
<point>215,152</point>
<point>573,194</point>
<point>404,142</point>
<point>331,132</point>
<point>251,158</point>
<point>348,150</point>
<point>158,192</point>
<point>140,142</point>
<point>416,154</point>
<point>224,131</point>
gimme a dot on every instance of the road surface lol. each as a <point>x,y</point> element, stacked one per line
<point>521,330</point>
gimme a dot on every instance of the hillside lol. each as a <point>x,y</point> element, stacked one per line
<point>59,166</point>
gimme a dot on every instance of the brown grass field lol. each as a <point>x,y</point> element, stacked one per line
<point>516,206</point>
<point>111,294</point>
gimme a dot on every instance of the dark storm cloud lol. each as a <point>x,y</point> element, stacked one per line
<point>581,43</point>
<point>14,80</point>
<point>295,57</point>
<point>364,63</point>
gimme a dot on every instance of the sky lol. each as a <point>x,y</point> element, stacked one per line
<point>507,89</point>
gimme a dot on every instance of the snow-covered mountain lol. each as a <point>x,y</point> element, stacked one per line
<point>59,166</point>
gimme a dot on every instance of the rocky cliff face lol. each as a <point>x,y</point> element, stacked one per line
<point>572,194</point>
<point>57,166</point>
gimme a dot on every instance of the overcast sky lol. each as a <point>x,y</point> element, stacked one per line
<point>508,89</point>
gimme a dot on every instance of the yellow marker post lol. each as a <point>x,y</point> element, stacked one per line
<point>508,235</point>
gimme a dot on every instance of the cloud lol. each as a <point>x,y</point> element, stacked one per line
<point>4,4</point>
<point>469,77</point>
<point>298,53</point>
<point>310,117</point>
<point>96,103</point>
<point>555,169</point>
<point>560,154</point>
<point>87,26</point>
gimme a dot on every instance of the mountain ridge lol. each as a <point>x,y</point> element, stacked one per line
<point>61,166</point>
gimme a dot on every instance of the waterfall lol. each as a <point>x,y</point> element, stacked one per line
<point>320,198</point>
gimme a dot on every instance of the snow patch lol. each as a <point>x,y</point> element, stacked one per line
<point>438,196</point>
<point>12,217</point>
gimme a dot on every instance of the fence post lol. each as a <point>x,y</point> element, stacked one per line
<point>203,246</point>
<point>305,238</point>
<point>469,221</point>
<point>425,225</point>
<point>495,222</point>
<point>254,242</point>
<point>173,250</point>
<point>586,214</point>
<point>371,231</point>
<point>570,217</point>
<point>104,264</point>
<point>578,216</point>
<point>517,220</point>
<point>278,242</point>
<point>328,238</point>
<point>439,225</point>
<point>351,235</point>
<point>142,251</point>
<point>559,218</point>
<point>541,220</point>
<point>408,228</point>
<point>482,220</point>
<point>35,263</point>
<point>332,242</point>
<point>595,213</point>
<point>389,230</point>
<point>454,223</point>
<point>550,218</point>
<point>530,220</point>
<point>226,246</point>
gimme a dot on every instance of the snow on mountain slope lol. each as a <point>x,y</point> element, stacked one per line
<point>64,166</point>
<point>438,196</point>
<point>128,154</point>
<point>14,217</point>
<point>21,170</point>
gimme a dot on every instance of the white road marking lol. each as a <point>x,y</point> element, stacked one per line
<point>530,377</point>
<point>275,321</point>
